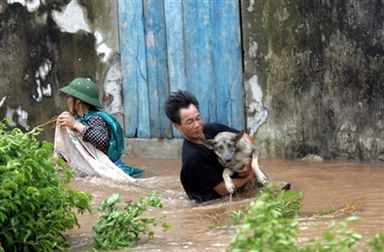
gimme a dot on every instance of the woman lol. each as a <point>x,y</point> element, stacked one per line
<point>96,127</point>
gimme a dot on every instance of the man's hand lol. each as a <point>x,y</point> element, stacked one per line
<point>246,169</point>
<point>248,176</point>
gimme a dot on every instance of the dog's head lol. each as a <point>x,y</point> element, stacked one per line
<point>224,145</point>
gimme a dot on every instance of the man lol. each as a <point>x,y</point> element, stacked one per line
<point>201,172</point>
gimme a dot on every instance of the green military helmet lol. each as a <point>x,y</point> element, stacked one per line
<point>84,90</point>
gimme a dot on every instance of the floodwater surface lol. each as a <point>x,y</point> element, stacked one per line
<point>337,188</point>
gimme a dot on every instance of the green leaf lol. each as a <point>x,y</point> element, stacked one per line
<point>35,207</point>
<point>121,228</point>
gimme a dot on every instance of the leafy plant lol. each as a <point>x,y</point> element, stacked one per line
<point>36,200</point>
<point>337,238</point>
<point>377,242</point>
<point>237,216</point>
<point>271,223</point>
<point>122,228</point>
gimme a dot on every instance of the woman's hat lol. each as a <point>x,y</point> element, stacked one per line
<point>84,90</point>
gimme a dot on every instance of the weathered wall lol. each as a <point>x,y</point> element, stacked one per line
<point>315,69</point>
<point>43,47</point>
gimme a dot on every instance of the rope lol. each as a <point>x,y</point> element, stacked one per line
<point>52,120</point>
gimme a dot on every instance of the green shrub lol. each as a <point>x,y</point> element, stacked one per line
<point>337,238</point>
<point>36,201</point>
<point>121,228</point>
<point>377,242</point>
<point>271,223</point>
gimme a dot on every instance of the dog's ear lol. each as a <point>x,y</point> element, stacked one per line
<point>239,135</point>
<point>209,143</point>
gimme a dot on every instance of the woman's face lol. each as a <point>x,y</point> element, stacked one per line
<point>70,103</point>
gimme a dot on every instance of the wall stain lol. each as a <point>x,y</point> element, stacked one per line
<point>39,56</point>
<point>320,65</point>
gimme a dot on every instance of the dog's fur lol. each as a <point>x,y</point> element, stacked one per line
<point>232,150</point>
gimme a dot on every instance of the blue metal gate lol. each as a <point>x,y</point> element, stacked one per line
<point>167,45</point>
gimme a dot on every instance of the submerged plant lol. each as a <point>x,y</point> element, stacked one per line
<point>336,238</point>
<point>237,216</point>
<point>122,228</point>
<point>377,242</point>
<point>36,201</point>
<point>271,224</point>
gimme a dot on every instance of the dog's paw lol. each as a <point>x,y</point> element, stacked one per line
<point>230,187</point>
<point>261,177</point>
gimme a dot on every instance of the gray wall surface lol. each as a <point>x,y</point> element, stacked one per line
<point>316,68</point>
<point>44,46</point>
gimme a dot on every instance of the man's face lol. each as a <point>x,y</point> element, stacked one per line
<point>191,123</point>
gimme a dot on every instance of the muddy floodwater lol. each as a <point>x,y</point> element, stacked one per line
<point>341,188</point>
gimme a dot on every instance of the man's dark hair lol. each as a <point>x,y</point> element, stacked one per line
<point>176,101</point>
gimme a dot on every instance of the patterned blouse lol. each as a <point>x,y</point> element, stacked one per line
<point>96,132</point>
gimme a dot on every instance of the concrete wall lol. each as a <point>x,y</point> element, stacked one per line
<point>314,74</point>
<point>44,46</point>
<point>313,69</point>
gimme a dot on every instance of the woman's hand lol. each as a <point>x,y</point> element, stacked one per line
<point>66,119</point>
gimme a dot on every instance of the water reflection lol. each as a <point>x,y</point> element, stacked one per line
<point>337,188</point>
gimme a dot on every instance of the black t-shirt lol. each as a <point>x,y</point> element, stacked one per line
<point>201,171</point>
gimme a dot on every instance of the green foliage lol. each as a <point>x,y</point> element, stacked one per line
<point>36,200</point>
<point>121,228</point>
<point>337,238</point>
<point>237,216</point>
<point>271,223</point>
<point>377,242</point>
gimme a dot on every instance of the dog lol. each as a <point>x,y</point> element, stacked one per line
<point>232,150</point>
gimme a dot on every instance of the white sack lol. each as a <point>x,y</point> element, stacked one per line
<point>84,158</point>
